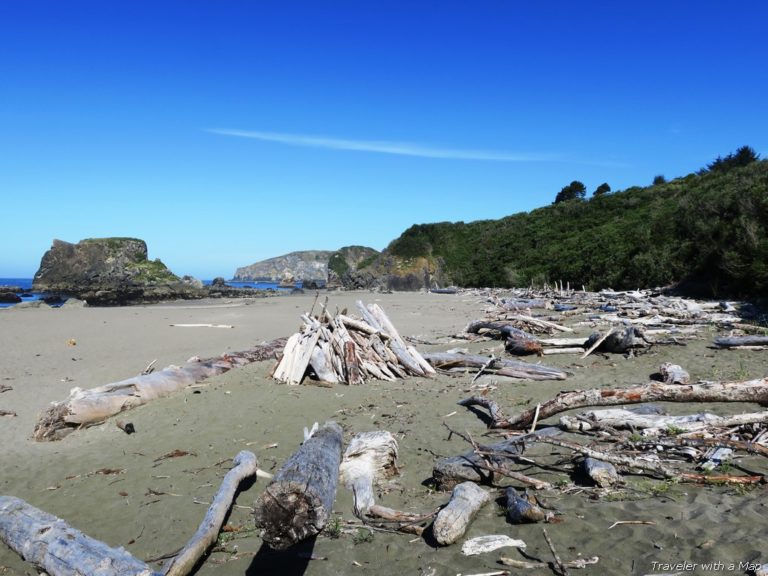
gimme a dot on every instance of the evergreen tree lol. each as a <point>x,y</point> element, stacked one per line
<point>574,191</point>
<point>604,188</point>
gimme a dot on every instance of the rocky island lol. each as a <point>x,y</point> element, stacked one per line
<point>117,271</point>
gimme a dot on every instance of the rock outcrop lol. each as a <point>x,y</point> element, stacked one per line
<point>108,271</point>
<point>309,266</point>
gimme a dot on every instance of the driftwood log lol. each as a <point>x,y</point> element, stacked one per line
<point>87,407</point>
<point>369,456</point>
<point>452,521</point>
<point>738,341</point>
<point>246,466</point>
<point>746,391</point>
<point>655,424</point>
<point>51,545</point>
<point>496,366</point>
<point>674,374</point>
<point>298,502</point>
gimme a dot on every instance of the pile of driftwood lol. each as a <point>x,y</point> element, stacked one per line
<point>339,348</point>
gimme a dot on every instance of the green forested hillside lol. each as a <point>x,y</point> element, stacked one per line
<point>707,232</point>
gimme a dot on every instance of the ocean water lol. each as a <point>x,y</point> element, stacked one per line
<point>27,295</point>
<point>26,290</point>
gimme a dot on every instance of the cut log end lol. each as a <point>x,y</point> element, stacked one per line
<point>289,513</point>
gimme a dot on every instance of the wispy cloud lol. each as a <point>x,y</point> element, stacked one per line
<point>386,147</point>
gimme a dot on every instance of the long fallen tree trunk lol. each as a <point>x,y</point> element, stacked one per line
<point>747,391</point>
<point>53,546</point>
<point>85,407</point>
<point>497,366</point>
<point>298,502</point>
<point>738,341</point>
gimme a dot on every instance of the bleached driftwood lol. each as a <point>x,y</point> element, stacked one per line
<point>746,391</point>
<point>369,456</point>
<point>298,502</point>
<point>86,407</point>
<point>489,543</point>
<point>339,348</point>
<point>51,545</point>
<point>452,521</point>
<point>182,563</point>
<point>655,424</point>
<point>740,341</point>
<point>499,366</point>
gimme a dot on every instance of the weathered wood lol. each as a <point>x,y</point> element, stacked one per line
<point>747,391</point>
<point>655,424</point>
<point>602,473</point>
<point>322,364</point>
<point>738,341</point>
<point>489,404</point>
<point>522,509</point>
<point>86,407</point>
<point>298,502</point>
<point>489,543</point>
<point>56,548</point>
<point>452,470</point>
<point>182,564</point>
<point>369,456</point>
<point>674,374</point>
<point>500,366</point>
<point>453,520</point>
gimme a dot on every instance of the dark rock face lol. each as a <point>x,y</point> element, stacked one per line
<point>9,298</point>
<point>109,271</point>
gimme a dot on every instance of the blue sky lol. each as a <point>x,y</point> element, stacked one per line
<point>227,132</point>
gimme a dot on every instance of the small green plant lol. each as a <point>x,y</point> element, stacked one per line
<point>362,536</point>
<point>673,430</point>
<point>634,438</point>
<point>725,467</point>
<point>333,528</point>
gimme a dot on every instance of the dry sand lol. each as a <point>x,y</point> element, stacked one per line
<point>153,506</point>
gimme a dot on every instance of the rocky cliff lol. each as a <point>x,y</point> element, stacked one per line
<point>307,265</point>
<point>108,271</point>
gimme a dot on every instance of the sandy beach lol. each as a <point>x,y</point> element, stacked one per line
<point>151,505</point>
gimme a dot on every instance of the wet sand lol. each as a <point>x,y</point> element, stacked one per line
<point>153,505</point>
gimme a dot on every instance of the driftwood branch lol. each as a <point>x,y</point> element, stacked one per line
<point>747,391</point>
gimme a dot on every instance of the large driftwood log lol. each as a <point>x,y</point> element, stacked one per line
<point>747,391</point>
<point>453,520</point>
<point>53,546</point>
<point>737,341</point>
<point>86,407</point>
<point>655,424</point>
<point>499,366</point>
<point>601,473</point>
<point>246,466</point>
<point>369,456</point>
<point>298,502</point>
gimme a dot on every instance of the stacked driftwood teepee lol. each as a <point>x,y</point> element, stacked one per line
<point>339,348</point>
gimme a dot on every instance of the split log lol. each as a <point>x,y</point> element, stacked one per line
<point>617,340</point>
<point>674,374</point>
<point>298,502</point>
<point>738,341</point>
<point>601,473</point>
<point>246,466</point>
<point>747,391</point>
<point>500,366</point>
<point>87,407</point>
<point>453,520</point>
<point>521,509</point>
<point>369,456</point>
<point>56,548</point>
